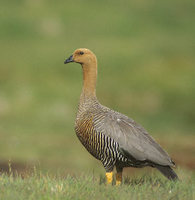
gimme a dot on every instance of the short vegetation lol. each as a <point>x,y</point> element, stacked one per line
<point>42,186</point>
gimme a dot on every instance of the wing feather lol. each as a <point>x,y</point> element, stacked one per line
<point>132,138</point>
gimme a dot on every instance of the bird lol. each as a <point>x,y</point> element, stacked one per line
<point>111,137</point>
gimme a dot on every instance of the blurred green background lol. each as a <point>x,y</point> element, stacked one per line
<point>145,52</point>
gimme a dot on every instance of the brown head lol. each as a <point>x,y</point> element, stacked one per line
<point>88,60</point>
<point>82,56</point>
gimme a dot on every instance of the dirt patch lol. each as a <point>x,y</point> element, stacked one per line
<point>181,150</point>
<point>184,160</point>
<point>15,168</point>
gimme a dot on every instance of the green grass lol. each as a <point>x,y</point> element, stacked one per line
<point>43,186</point>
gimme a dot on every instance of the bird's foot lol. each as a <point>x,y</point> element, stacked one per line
<point>109,176</point>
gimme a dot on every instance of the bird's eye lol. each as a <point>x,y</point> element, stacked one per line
<point>81,53</point>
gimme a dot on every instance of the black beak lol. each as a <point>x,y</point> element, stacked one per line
<point>70,59</point>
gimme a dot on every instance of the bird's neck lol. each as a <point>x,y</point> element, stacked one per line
<point>89,80</point>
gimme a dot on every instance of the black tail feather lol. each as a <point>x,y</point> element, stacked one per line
<point>168,172</point>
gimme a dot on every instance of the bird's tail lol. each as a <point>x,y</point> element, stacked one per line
<point>168,172</point>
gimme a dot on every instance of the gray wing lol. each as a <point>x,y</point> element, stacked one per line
<point>132,138</point>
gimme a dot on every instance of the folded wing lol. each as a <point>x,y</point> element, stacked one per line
<point>133,140</point>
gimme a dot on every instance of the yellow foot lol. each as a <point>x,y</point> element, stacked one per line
<point>118,178</point>
<point>109,177</point>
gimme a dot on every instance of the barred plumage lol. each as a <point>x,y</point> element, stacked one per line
<point>112,137</point>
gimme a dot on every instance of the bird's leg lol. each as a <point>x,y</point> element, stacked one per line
<point>119,175</point>
<point>118,178</point>
<point>109,176</point>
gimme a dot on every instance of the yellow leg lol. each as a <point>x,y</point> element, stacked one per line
<point>118,178</point>
<point>109,177</point>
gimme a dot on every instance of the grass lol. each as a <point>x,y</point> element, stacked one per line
<point>44,186</point>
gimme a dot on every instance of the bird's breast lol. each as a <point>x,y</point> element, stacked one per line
<point>88,136</point>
